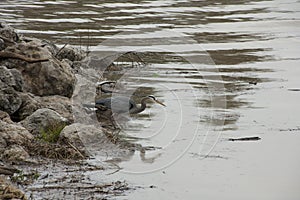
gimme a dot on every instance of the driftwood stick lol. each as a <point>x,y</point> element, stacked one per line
<point>4,54</point>
<point>60,50</point>
<point>245,139</point>
<point>76,149</point>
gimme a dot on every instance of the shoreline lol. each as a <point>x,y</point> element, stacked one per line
<point>41,144</point>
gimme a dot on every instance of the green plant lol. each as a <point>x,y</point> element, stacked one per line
<point>52,132</point>
<point>25,178</point>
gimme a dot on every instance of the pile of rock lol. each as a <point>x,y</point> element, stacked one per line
<point>36,83</point>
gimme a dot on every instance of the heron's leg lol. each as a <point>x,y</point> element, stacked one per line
<point>113,121</point>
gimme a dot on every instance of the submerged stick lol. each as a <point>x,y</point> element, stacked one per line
<point>245,139</point>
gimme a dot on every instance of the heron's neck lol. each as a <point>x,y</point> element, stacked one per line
<point>141,108</point>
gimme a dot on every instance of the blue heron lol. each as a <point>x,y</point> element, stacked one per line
<point>114,106</point>
<point>121,104</point>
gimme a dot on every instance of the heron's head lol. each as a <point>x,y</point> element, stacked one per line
<point>155,100</point>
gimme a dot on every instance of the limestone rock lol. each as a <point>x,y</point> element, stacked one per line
<point>84,137</point>
<point>42,78</point>
<point>11,77</point>
<point>60,104</point>
<point>42,120</point>
<point>8,32</point>
<point>29,105</point>
<point>4,116</point>
<point>11,133</point>
<point>15,153</point>
<point>18,80</point>
<point>71,53</point>
<point>10,101</point>
<point>2,44</point>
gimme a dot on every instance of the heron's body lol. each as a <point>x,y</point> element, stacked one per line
<point>119,104</point>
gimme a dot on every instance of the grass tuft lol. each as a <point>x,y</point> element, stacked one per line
<point>51,134</point>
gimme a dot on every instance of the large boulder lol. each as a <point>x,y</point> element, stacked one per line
<point>10,101</point>
<point>11,83</point>
<point>8,32</point>
<point>82,136</point>
<point>71,53</point>
<point>12,78</point>
<point>11,133</point>
<point>29,105</point>
<point>42,120</point>
<point>53,77</point>
<point>15,153</point>
<point>2,44</point>
<point>4,116</point>
<point>92,140</point>
<point>60,104</point>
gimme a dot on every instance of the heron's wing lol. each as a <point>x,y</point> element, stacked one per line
<point>121,104</point>
<point>118,104</point>
<point>104,102</point>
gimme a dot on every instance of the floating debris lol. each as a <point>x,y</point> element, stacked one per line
<point>245,139</point>
<point>294,89</point>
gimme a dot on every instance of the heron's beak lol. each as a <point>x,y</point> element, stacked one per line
<point>160,103</point>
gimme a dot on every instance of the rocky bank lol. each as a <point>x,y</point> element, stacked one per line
<point>37,82</point>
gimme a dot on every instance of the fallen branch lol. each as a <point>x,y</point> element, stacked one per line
<point>58,52</point>
<point>21,57</point>
<point>76,149</point>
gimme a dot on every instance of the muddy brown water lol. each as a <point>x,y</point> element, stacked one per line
<point>225,69</point>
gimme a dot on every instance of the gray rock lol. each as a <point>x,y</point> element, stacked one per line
<point>60,104</point>
<point>2,44</point>
<point>29,105</point>
<point>13,133</point>
<point>8,32</point>
<point>10,84</point>
<point>15,153</point>
<point>71,53</point>
<point>11,77</point>
<point>90,139</point>
<point>42,78</point>
<point>42,120</point>
<point>10,100</point>
<point>3,143</point>
<point>18,79</point>
<point>86,138</point>
<point>4,116</point>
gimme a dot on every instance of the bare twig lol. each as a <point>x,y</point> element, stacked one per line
<point>76,149</point>
<point>60,50</point>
